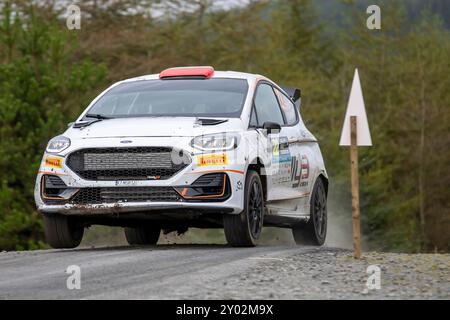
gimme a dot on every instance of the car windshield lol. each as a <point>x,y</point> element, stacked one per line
<point>181,97</point>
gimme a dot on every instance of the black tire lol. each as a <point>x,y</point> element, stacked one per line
<point>63,232</point>
<point>314,232</point>
<point>143,235</point>
<point>244,229</point>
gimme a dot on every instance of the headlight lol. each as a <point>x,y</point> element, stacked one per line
<point>221,141</point>
<point>58,144</point>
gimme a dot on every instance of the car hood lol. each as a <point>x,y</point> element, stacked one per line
<point>152,127</point>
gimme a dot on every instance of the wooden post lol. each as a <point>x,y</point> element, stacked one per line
<point>355,188</point>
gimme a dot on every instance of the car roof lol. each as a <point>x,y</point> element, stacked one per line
<point>217,74</point>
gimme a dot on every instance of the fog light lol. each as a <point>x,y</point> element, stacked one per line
<point>208,186</point>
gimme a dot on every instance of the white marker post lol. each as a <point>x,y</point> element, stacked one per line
<point>355,133</point>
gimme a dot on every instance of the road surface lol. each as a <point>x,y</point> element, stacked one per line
<point>220,272</point>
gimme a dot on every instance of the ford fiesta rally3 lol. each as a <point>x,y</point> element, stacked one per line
<point>187,148</point>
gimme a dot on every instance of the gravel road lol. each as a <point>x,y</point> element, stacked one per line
<point>220,272</point>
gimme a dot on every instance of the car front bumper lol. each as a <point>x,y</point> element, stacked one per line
<point>234,170</point>
<point>111,208</point>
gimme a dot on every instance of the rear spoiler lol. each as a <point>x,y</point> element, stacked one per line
<point>295,94</point>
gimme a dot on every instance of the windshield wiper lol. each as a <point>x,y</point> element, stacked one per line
<point>97,116</point>
<point>82,124</point>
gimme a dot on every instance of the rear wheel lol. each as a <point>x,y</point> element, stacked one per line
<point>143,235</point>
<point>62,231</point>
<point>314,231</point>
<point>244,229</point>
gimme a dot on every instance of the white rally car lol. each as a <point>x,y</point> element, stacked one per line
<point>189,147</point>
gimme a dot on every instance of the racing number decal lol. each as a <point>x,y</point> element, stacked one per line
<point>295,174</point>
<point>300,171</point>
<point>305,167</point>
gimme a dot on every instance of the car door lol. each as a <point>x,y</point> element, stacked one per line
<point>276,144</point>
<point>300,151</point>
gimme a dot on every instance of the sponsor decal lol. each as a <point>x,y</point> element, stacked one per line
<point>275,147</point>
<point>300,171</point>
<point>280,150</point>
<point>212,160</point>
<point>124,183</point>
<point>284,154</point>
<point>239,185</point>
<point>281,159</point>
<point>53,162</point>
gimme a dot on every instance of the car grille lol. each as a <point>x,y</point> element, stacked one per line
<point>138,163</point>
<point>125,194</point>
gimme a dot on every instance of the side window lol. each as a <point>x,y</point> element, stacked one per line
<point>288,108</point>
<point>266,104</point>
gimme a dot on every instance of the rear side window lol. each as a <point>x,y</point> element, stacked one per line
<point>266,105</point>
<point>288,108</point>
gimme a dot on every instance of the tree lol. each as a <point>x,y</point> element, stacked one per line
<point>402,176</point>
<point>40,88</point>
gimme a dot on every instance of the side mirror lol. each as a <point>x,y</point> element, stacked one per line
<point>271,126</point>
<point>294,93</point>
<point>70,124</point>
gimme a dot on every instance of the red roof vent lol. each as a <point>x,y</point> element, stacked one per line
<point>186,72</point>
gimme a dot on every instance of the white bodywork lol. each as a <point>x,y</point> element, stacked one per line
<point>288,189</point>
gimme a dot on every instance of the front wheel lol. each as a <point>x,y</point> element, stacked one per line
<point>244,229</point>
<point>63,232</point>
<point>142,235</point>
<point>314,231</point>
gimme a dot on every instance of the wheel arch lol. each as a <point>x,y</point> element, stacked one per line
<point>325,181</point>
<point>258,166</point>
<point>324,178</point>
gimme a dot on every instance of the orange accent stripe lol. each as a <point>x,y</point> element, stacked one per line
<point>305,195</point>
<point>54,173</point>
<point>213,195</point>
<point>226,170</point>
<point>43,196</point>
<point>184,191</point>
